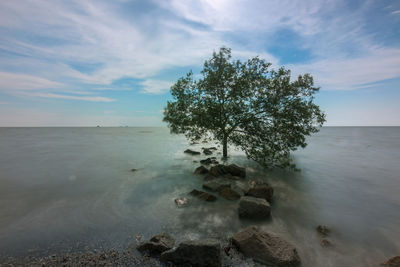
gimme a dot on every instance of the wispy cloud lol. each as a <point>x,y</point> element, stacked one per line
<point>14,81</point>
<point>156,86</point>
<point>82,98</point>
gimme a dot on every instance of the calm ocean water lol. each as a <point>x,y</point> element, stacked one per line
<point>72,188</point>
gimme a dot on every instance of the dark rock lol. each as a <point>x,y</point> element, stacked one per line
<point>191,152</point>
<point>216,185</point>
<point>218,170</point>
<point>266,248</point>
<point>209,177</point>
<point>323,230</point>
<point>157,244</point>
<point>207,151</point>
<point>393,262</point>
<point>201,170</point>
<point>251,207</point>
<point>231,177</point>
<point>260,190</point>
<point>209,161</point>
<point>203,195</point>
<point>229,194</point>
<point>236,170</point>
<point>326,243</point>
<point>205,252</point>
<point>133,170</point>
<point>181,201</point>
<point>210,148</point>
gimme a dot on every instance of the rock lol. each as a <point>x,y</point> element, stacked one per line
<point>133,170</point>
<point>203,195</point>
<point>229,194</point>
<point>216,185</point>
<point>323,230</point>
<point>393,262</point>
<point>251,207</point>
<point>266,248</point>
<point>191,152</point>
<point>206,252</point>
<point>209,177</point>
<point>181,201</point>
<point>207,151</point>
<point>218,170</point>
<point>236,170</point>
<point>231,177</point>
<point>326,243</point>
<point>210,148</point>
<point>157,244</point>
<point>201,170</point>
<point>209,161</point>
<point>260,190</point>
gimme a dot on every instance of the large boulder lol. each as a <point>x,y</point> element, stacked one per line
<point>393,262</point>
<point>236,170</point>
<point>260,189</point>
<point>251,207</point>
<point>191,152</point>
<point>216,185</point>
<point>157,244</point>
<point>218,170</point>
<point>206,252</point>
<point>203,195</point>
<point>266,248</point>
<point>229,193</point>
<point>201,170</point>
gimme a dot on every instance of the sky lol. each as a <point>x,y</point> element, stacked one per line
<point>111,63</point>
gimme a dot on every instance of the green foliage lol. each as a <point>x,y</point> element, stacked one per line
<point>246,104</point>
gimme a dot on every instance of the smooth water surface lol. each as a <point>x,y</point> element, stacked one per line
<point>72,188</point>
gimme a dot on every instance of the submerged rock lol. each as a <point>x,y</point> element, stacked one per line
<point>260,190</point>
<point>133,170</point>
<point>326,243</point>
<point>393,262</point>
<point>201,170</point>
<point>203,195</point>
<point>157,244</point>
<point>206,252</point>
<point>209,161</point>
<point>191,152</point>
<point>207,151</point>
<point>251,207</point>
<point>323,230</point>
<point>266,248</point>
<point>181,201</point>
<point>216,185</point>
<point>229,194</point>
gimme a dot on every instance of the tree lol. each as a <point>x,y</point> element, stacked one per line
<point>248,105</point>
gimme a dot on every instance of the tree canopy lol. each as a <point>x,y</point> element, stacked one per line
<point>246,104</point>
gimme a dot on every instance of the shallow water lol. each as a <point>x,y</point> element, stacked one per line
<point>63,188</point>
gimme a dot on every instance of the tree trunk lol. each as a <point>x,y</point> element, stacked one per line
<point>225,147</point>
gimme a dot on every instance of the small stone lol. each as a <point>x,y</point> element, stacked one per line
<point>323,230</point>
<point>181,202</point>
<point>326,243</point>
<point>203,195</point>
<point>133,170</point>
<point>189,151</point>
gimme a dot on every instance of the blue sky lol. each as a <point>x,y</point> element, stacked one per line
<point>111,63</point>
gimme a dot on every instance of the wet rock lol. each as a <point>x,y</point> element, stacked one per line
<point>393,262</point>
<point>229,194</point>
<point>206,252</point>
<point>251,207</point>
<point>218,170</point>
<point>209,177</point>
<point>157,244</point>
<point>236,170</point>
<point>207,151</point>
<point>201,170</point>
<point>326,243</point>
<point>210,148</point>
<point>265,248</point>
<point>323,230</point>
<point>231,177</point>
<point>209,161</point>
<point>191,152</point>
<point>181,202</point>
<point>203,195</point>
<point>133,170</point>
<point>216,185</point>
<point>260,190</point>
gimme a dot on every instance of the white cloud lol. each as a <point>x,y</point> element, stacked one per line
<point>13,81</point>
<point>81,98</point>
<point>156,86</point>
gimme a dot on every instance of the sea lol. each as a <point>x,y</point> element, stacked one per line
<point>72,189</point>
